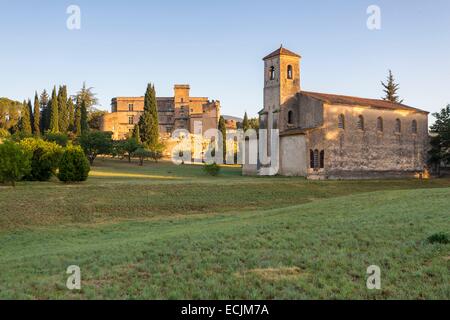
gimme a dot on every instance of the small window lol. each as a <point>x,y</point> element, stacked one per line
<point>289,72</point>
<point>311,159</point>
<point>414,126</point>
<point>380,125</point>
<point>130,120</point>
<point>290,117</point>
<point>361,123</point>
<point>341,122</point>
<point>316,159</point>
<point>322,159</point>
<point>398,126</point>
<point>130,107</point>
<point>272,73</point>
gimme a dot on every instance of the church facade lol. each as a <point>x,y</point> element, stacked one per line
<point>328,136</point>
<point>178,112</point>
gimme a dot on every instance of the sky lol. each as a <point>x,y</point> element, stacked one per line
<point>217,47</point>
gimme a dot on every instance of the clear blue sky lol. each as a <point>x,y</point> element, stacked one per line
<point>217,46</point>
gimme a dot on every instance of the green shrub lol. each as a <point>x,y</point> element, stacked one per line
<point>142,154</point>
<point>440,237</point>
<point>58,138</point>
<point>212,169</point>
<point>74,166</point>
<point>4,133</point>
<point>129,146</point>
<point>95,143</point>
<point>45,158</point>
<point>14,162</point>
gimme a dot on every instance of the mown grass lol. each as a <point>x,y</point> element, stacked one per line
<point>167,232</point>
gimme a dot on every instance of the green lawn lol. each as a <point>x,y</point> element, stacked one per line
<point>164,231</point>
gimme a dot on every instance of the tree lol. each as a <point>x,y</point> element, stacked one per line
<point>390,89</point>
<point>129,146</point>
<point>25,120</point>
<point>37,115</point>
<point>83,117</point>
<point>245,123</point>
<point>142,154</point>
<point>73,167</point>
<point>10,114</point>
<point>440,142</point>
<point>254,123</point>
<point>77,120</point>
<point>71,111</point>
<point>63,114</point>
<point>14,162</point>
<point>54,113</point>
<point>137,134</point>
<point>45,111</point>
<point>223,129</point>
<point>87,96</point>
<point>148,122</point>
<point>95,143</point>
<point>95,119</point>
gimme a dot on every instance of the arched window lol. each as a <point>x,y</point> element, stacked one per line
<point>341,122</point>
<point>380,126</point>
<point>360,123</point>
<point>322,159</point>
<point>398,126</point>
<point>272,73</point>
<point>414,126</point>
<point>311,159</point>
<point>289,72</point>
<point>290,117</point>
<point>316,159</point>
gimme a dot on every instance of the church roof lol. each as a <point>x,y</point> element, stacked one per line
<point>355,101</point>
<point>281,52</point>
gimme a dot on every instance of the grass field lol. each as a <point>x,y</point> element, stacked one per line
<point>171,232</point>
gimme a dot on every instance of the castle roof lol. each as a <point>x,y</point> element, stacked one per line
<point>281,52</point>
<point>355,101</point>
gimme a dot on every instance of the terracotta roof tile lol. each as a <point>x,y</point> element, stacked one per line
<point>281,52</point>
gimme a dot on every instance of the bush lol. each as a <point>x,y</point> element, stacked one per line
<point>440,237</point>
<point>14,162</point>
<point>95,143</point>
<point>4,133</point>
<point>45,158</point>
<point>129,146</point>
<point>74,166</point>
<point>142,154</point>
<point>212,169</point>
<point>58,138</point>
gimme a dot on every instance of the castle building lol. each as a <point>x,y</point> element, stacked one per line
<point>328,136</point>
<point>178,112</point>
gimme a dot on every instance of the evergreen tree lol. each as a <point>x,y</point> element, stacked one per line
<point>245,123</point>
<point>440,151</point>
<point>390,89</point>
<point>45,114</point>
<point>83,117</point>
<point>37,115</point>
<point>71,111</point>
<point>148,123</point>
<point>63,114</point>
<point>223,129</point>
<point>54,114</point>
<point>25,119</point>
<point>30,112</point>
<point>77,120</point>
<point>86,95</point>
<point>137,134</point>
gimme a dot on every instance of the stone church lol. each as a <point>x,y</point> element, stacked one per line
<point>178,112</point>
<point>328,136</point>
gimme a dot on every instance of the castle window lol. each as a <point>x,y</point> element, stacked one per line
<point>398,126</point>
<point>360,123</point>
<point>380,126</point>
<point>130,120</point>
<point>290,117</point>
<point>311,159</point>
<point>322,159</point>
<point>272,73</point>
<point>341,122</point>
<point>130,107</point>
<point>289,72</point>
<point>414,127</point>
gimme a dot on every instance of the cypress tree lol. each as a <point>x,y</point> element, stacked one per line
<point>54,117</point>
<point>71,111</point>
<point>245,123</point>
<point>223,129</point>
<point>25,120</point>
<point>30,112</point>
<point>37,115</point>
<point>83,117</point>
<point>63,120</point>
<point>148,123</point>
<point>137,133</point>
<point>390,89</point>
<point>77,120</point>
<point>45,114</point>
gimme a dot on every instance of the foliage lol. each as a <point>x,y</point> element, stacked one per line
<point>390,89</point>
<point>253,123</point>
<point>212,169</point>
<point>223,129</point>
<point>148,122</point>
<point>84,125</point>
<point>440,237</point>
<point>45,158</point>
<point>129,146</point>
<point>14,162</point>
<point>77,120</point>
<point>71,114</point>
<point>73,167</point>
<point>94,119</point>
<point>4,133</point>
<point>137,134</point>
<point>25,120</point>
<point>37,116</point>
<point>95,143</point>
<point>245,123</point>
<point>54,113</point>
<point>440,142</point>
<point>63,112</point>
<point>142,154</point>
<point>45,111</point>
<point>59,138</point>
<point>9,114</point>
<point>87,96</point>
